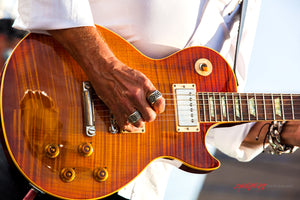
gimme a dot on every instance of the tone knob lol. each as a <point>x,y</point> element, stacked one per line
<point>85,149</point>
<point>67,174</point>
<point>101,174</point>
<point>52,150</point>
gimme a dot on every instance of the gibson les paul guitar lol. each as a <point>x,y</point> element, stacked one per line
<point>64,140</point>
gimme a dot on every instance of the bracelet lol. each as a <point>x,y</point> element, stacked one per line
<point>273,136</point>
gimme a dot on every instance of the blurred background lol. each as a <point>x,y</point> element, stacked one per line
<point>273,68</point>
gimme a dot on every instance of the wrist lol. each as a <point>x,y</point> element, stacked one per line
<point>274,137</point>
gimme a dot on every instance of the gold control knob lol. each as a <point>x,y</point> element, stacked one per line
<point>85,149</point>
<point>67,174</point>
<point>52,150</point>
<point>101,174</point>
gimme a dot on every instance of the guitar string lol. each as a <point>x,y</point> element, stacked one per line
<point>166,114</point>
<point>230,95</point>
<point>259,116</point>
<point>232,106</point>
<point>243,115</point>
<point>221,104</point>
<point>230,103</point>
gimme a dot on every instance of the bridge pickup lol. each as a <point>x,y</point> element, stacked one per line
<point>186,109</point>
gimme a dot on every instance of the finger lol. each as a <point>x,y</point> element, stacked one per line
<point>159,105</point>
<point>147,112</point>
<point>156,100</point>
<point>132,128</point>
<point>135,118</point>
<point>140,103</point>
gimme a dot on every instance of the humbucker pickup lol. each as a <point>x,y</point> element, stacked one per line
<point>186,109</point>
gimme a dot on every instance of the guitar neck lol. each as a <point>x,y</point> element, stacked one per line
<point>247,107</point>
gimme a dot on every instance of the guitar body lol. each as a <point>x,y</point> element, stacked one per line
<point>41,105</point>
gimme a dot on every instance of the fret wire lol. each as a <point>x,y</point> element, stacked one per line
<point>292,103</point>
<point>248,106</point>
<point>282,107</point>
<point>203,101</point>
<point>274,118</point>
<point>209,107</point>
<point>226,101</point>
<point>256,106</point>
<point>221,106</point>
<point>234,106</point>
<point>198,105</point>
<point>209,110</point>
<point>215,108</point>
<point>241,107</point>
<point>265,111</point>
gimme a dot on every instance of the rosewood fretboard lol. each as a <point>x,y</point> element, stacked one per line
<point>243,107</point>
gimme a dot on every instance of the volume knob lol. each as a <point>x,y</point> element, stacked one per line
<point>52,150</point>
<point>67,174</point>
<point>85,149</point>
<point>100,174</point>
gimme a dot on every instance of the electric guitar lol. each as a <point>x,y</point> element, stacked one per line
<point>65,141</point>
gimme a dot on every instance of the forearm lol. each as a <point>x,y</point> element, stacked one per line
<point>121,88</point>
<point>239,140</point>
<point>86,46</point>
<point>290,134</point>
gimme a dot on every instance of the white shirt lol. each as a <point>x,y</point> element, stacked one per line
<point>8,9</point>
<point>159,28</point>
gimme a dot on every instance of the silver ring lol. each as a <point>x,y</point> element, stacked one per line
<point>134,117</point>
<point>153,97</point>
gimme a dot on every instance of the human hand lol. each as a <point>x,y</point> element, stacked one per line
<point>290,134</point>
<point>122,89</point>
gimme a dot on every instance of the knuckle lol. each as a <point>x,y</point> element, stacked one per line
<point>159,105</point>
<point>139,124</point>
<point>146,83</point>
<point>134,94</point>
<point>151,117</point>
